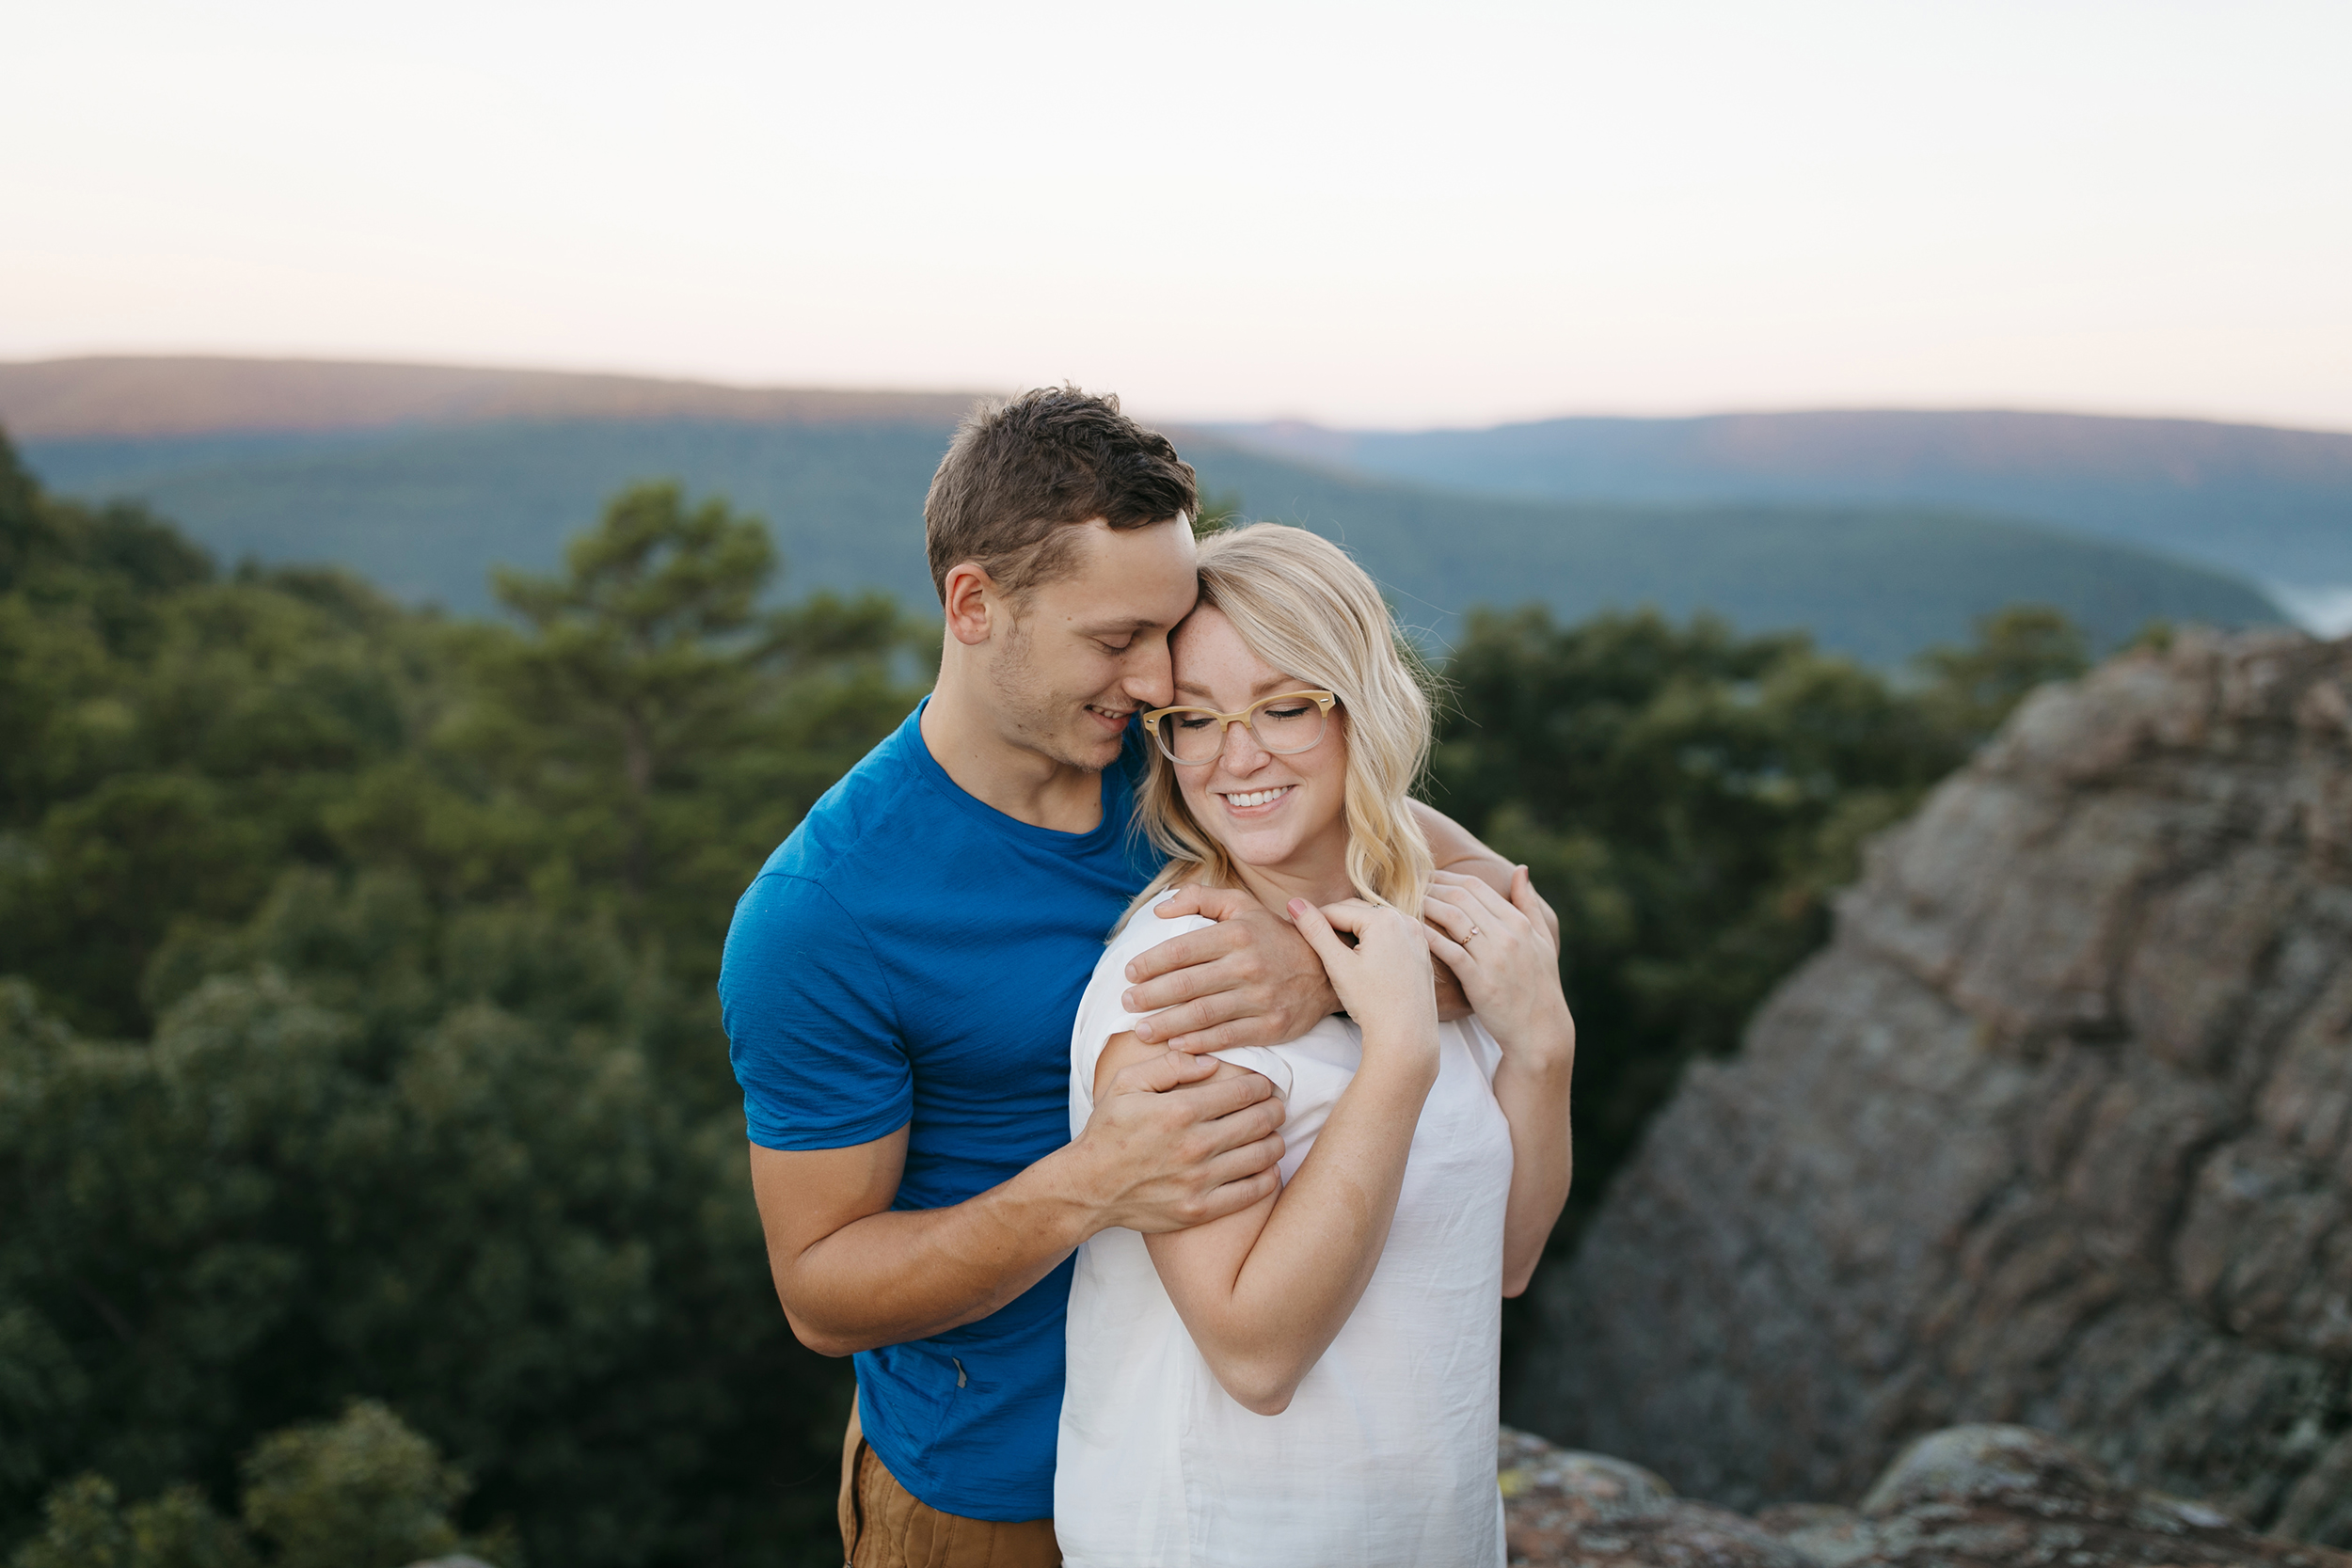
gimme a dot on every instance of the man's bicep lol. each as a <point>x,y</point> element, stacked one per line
<point>810,1033</point>
<point>806,1195</point>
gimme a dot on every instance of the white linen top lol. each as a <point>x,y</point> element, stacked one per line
<point>1386,1452</point>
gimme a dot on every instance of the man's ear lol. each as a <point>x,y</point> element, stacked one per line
<point>974,606</point>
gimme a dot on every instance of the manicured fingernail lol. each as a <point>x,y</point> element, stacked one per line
<point>1297,907</point>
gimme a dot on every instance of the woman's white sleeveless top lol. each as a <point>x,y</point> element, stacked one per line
<point>1387,1453</point>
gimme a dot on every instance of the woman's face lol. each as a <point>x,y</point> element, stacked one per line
<point>1266,810</point>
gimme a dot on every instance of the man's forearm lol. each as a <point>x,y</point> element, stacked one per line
<point>909,1274</point>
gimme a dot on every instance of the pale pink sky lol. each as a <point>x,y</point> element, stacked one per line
<point>1363,213</point>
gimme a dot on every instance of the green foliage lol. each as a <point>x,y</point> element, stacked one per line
<point>359,1492</point>
<point>1974,687</point>
<point>362,1492</point>
<point>656,732</point>
<point>88,1526</point>
<point>364,1048</point>
<point>1220,511</point>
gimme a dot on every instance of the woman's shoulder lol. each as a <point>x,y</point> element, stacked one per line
<point>1102,1009</point>
<point>1145,930</point>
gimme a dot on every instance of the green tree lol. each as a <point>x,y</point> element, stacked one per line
<point>359,1492</point>
<point>362,1492</point>
<point>1971,689</point>
<point>1220,511</point>
<point>661,729</point>
<point>347,1062</point>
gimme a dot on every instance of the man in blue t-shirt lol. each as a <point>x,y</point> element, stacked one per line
<point>900,984</point>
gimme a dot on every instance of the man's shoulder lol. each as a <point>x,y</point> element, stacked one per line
<point>874,811</point>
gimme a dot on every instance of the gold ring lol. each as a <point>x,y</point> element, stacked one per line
<point>1475,932</point>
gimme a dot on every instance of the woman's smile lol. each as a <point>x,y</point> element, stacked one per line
<point>1255,802</point>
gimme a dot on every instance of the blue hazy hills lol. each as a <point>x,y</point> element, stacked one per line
<point>421,477</point>
<point>2269,504</point>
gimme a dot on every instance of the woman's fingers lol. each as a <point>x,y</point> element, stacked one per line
<point>1471,892</point>
<point>1531,904</point>
<point>1348,914</point>
<point>1495,913</point>
<point>1316,928</point>
<point>1488,899</point>
<point>1448,917</point>
<point>1477,905</point>
<point>1455,956</point>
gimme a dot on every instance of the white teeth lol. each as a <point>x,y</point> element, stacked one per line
<point>1256,796</point>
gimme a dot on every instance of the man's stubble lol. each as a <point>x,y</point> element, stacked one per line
<point>1035,718</point>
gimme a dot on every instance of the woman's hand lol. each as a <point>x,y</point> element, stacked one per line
<point>1384,981</point>
<point>1506,958</point>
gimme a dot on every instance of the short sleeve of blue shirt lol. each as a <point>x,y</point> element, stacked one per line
<point>810,1028</point>
<point>912,958</point>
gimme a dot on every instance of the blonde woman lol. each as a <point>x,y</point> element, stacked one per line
<point>1313,1380</point>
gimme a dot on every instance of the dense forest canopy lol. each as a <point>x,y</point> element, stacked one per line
<point>366,1126</point>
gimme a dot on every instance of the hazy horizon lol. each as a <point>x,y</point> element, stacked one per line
<point>1364,216</point>
<point>1209,420</point>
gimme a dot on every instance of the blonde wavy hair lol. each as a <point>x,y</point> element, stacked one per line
<point>1303,605</point>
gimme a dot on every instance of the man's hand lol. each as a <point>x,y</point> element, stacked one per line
<point>1177,1141</point>
<point>1174,1141</point>
<point>1249,979</point>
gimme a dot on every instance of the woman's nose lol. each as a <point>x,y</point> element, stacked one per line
<point>1242,754</point>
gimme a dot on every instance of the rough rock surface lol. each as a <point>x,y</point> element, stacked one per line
<point>1977,1497</point>
<point>2056,1132</point>
<point>1561,1508</point>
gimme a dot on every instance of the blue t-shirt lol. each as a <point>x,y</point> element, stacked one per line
<point>911,958</point>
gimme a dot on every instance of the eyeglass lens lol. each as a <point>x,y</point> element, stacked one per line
<point>1292,724</point>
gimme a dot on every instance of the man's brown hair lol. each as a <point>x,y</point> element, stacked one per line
<point>1019,474</point>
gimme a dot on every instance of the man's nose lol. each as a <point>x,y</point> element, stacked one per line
<point>1151,679</point>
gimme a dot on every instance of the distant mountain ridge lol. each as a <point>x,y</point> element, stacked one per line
<point>2273,504</point>
<point>421,477</point>
<point>147,396</point>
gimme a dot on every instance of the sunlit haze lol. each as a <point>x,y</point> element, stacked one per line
<point>1359,214</point>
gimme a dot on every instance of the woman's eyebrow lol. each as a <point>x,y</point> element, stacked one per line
<point>1280,683</point>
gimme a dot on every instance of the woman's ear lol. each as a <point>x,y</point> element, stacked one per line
<point>972,602</point>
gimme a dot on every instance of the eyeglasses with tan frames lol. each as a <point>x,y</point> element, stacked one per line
<point>1284,725</point>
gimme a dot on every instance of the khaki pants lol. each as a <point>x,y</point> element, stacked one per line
<point>885,1525</point>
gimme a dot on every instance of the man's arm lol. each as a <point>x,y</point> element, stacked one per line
<point>1165,1149</point>
<point>1250,979</point>
<point>1455,848</point>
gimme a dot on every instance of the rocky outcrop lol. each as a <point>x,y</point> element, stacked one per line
<point>1977,1497</point>
<point>1584,1509</point>
<point>2056,1132</point>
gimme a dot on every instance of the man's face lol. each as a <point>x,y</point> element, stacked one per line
<point>1089,649</point>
